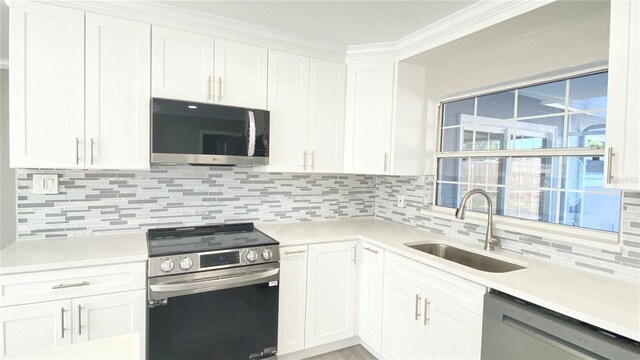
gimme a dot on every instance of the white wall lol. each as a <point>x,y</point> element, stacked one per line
<point>548,40</point>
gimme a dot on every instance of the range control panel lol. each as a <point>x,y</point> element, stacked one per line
<point>187,263</point>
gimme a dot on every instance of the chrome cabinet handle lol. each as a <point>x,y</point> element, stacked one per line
<point>295,252</point>
<point>79,319</point>
<point>220,89</point>
<point>370,249</point>
<point>418,298</point>
<point>385,162</point>
<point>354,254</point>
<point>91,151</point>
<point>77,152</point>
<point>427,304</point>
<point>313,159</point>
<point>210,87</point>
<point>609,160</point>
<point>304,160</point>
<point>63,286</point>
<point>62,322</point>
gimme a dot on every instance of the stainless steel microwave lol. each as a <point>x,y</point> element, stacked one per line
<point>205,134</point>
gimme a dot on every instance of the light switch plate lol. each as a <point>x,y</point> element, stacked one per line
<point>400,201</point>
<point>45,183</point>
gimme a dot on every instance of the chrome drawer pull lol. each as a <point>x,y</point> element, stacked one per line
<point>427,303</point>
<point>295,252</point>
<point>418,298</point>
<point>63,286</point>
<point>370,249</point>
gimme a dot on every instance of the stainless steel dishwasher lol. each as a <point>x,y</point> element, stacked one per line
<point>515,329</point>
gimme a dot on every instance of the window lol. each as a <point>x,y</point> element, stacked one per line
<point>537,150</point>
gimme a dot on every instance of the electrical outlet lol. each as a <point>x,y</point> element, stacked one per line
<point>400,201</point>
<point>45,183</point>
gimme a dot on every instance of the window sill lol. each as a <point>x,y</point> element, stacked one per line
<point>555,233</point>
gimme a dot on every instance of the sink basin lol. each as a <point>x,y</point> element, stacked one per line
<point>466,258</point>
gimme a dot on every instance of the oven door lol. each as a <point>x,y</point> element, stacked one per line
<point>221,314</point>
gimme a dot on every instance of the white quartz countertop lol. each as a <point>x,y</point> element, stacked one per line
<point>42,255</point>
<point>606,302</point>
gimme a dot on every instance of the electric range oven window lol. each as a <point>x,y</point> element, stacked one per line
<point>238,323</point>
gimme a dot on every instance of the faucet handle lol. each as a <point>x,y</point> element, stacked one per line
<point>493,243</point>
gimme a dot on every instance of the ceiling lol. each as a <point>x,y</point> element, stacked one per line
<point>338,22</point>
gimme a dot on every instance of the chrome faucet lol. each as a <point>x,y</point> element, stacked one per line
<point>490,241</point>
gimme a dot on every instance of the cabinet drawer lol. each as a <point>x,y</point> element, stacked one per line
<point>70,283</point>
<point>458,291</point>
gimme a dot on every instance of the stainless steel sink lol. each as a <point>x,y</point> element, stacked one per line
<point>466,258</point>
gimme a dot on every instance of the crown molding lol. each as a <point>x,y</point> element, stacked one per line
<point>4,63</point>
<point>206,24</point>
<point>476,17</point>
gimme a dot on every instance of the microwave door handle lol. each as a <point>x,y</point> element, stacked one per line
<point>252,134</point>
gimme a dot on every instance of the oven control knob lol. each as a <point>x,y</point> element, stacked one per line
<point>186,263</point>
<point>266,254</point>
<point>251,256</point>
<point>167,265</point>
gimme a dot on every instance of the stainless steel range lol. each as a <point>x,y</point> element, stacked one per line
<point>212,293</point>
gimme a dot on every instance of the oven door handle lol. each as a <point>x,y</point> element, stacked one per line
<point>230,282</point>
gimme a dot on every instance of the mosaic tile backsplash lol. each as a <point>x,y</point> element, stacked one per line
<point>95,202</point>
<point>623,264</point>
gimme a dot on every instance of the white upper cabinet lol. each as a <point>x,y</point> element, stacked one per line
<point>47,86</point>
<point>369,113</point>
<point>240,75</point>
<point>117,93</point>
<point>182,65</point>
<point>289,111</point>
<point>623,114</point>
<point>331,290</point>
<point>385,117</point>
<point>326,116</point>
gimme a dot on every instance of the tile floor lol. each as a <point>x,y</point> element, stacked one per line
<point>356,352</point>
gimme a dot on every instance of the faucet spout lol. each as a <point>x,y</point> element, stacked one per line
<point>490,241</point>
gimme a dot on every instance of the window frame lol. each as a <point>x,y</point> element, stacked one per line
<point>557,232</point>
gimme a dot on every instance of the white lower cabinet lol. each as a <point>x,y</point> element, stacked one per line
<point>403,333</point>
<point>33,327</point>
<point>429,314</point>
<point>317,295</point>
<point>103,316</point>
<point>77,305</point>
<point>293,297</point>
<point>370,292</point>
<point>331,293</point>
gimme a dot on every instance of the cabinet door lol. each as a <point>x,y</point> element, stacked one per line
<point>47,86</point>
<point>182,65</point>
<point>326,116</point>
<point>368,118</point>
<point>331,290</point>
<point>452,332</point>
<point>29,328</point>
<point>371,282</point>
<point>103,316</point>
<point>293,296</point>
<point>403,330</point>
<point>240,75</point>
<point>289,107</point>
<point>118,93</point>
<point>623,109</point>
